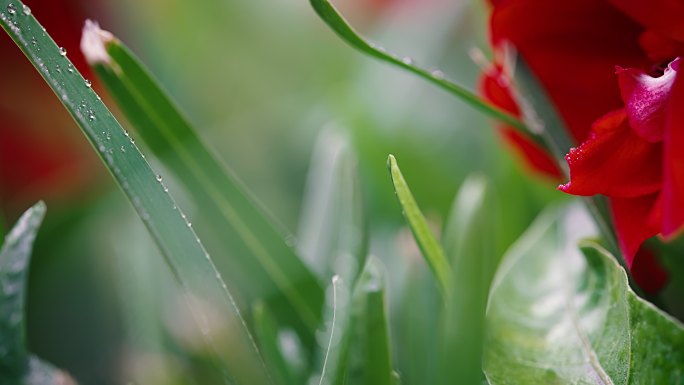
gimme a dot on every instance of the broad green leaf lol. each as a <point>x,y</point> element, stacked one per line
<point>557,316</point>
<point>329,14</point>
<point>431,249</point>
<point>370,351</point>
<point>259,260</point>
<point>185,255</point>
<point>468,239</point>
<point>17,366</point>
<point>14,267</point>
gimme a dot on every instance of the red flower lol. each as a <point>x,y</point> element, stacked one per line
<point>611,70</point>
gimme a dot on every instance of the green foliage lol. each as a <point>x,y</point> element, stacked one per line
<point>555,316</point>
<point>185,255</point>
<point>17,365</point>
<point>468,243</point>
<point>257,259</point>
<point>432,250</point>
<point>336,22</point>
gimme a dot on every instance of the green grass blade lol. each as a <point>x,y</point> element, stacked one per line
<point>17,366</point>
<point>429,246</point>
<point>370,352</point>
<point>333,236</point>
<point>468,240</point>
<point>337,23</point>
<point>185,254</point>
<point>259,260</point>
<point>14,267</point>
<point>332,227</point>
<point>266,329</point>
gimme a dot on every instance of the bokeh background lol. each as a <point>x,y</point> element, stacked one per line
<point>260,80</point>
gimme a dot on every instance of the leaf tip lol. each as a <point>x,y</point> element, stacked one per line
<point>93,41</point>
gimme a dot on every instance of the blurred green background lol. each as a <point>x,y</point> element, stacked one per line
<point>261,80</point>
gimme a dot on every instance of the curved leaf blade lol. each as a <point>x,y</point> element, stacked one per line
<point>430,248</point>
<point>185,255</point>
<point>14,267</point>
<point>329,14</point>
<point>259,259</point>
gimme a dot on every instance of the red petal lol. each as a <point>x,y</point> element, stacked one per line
<point>494,85</point>
<point>646,99</point>
<point>673,164</point>
<point>615,161</point>
<point>572,47</point>
<point>663,16</point>
<point>634,223</point>
<point>535,157</point>
<point>647,271</point>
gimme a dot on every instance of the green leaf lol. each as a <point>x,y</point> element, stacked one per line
<point>558,317</point>
<point>337,23</point>
<point>259,261</point>
<point>14,267</point>
<point>370,352</point>
<point>185,255</point>
<point>266,330</point>
<point>469,244</point>
<point>333,236</point>
<point>431,249</point>
<point>17,366</point>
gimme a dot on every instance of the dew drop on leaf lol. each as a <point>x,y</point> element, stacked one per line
<point>11,9</point>
<point>62,51</point>
<point>26,10</point>
<point>88,83</point>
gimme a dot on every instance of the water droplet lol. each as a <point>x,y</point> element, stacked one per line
<point>437,74</point>
<point>102,148</point>
<point>166,189</point>
<point>27,10</point>
<point>92,117</point>
<point>34,41</point>
<point>88,83</point>
<point>123,149</point>
<point>159,178</point>
<point>62,51</point>
<point>126,133</point>
<point>58,68</point>
<point>108,136</point>
<point>407,60</point>
<point>11,9</point>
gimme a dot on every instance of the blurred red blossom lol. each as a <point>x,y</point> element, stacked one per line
<point>42,154</point>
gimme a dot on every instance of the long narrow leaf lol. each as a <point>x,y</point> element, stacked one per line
<point>370,351</point>
<point>185,254</point>
<point>259,259</point>
<point>337,23</point>
<point>14,266</point>
<point>431,249</point>
<point>333,237</point>
<point>469,243</point>
<point>17,366</point>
